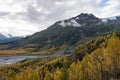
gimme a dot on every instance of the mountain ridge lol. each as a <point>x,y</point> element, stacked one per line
<point>6,38</point>
<point>66,33</point>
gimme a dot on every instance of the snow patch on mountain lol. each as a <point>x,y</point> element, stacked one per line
<point>112,18</point>
<point>104,20</point>
<point>72,22</point>
<point>62,23</point>
<point>77,18</point>
<point>7,35</point>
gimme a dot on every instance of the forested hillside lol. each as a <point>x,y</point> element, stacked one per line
<point>98,59</point>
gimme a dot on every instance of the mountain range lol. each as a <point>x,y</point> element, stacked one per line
<point>65,33</point>
<point>2,37</point>
<point>6,38</point>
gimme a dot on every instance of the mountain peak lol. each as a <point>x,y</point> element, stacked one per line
<point>10,35</point>
<point>86,15</point>
<point>2,36</point>
<point>78,21</point>
<point>7,35</point>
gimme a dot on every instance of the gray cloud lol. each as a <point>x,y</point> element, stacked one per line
<point>40,14</point>
<point>2,14</point>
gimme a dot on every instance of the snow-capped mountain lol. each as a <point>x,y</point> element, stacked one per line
<point>5,38</point>
<point>2,37</point>
<point>80,20</point>
<point>69,32</point>
<point>114,18</point>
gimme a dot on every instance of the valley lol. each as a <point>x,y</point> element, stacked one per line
<point>84,47</point>
<point>62,34</point>
<point>93,57</point>
<point>59,39</point>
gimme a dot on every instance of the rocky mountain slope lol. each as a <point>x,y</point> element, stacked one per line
<point>66,33</point>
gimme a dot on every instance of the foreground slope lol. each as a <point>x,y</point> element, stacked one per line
<point>98,59</point>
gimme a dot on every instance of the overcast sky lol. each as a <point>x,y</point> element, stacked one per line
<point>25,17</point>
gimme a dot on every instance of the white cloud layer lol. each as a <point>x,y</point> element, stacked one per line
<point>24,17</point>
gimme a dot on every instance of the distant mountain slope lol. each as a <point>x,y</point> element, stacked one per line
<point>2,37</point>
<point>6,38</point>
<point>67,32</point>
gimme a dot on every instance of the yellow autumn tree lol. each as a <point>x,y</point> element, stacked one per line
<point>113,55</point>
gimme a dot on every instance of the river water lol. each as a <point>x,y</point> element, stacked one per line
<point>13,59</point>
